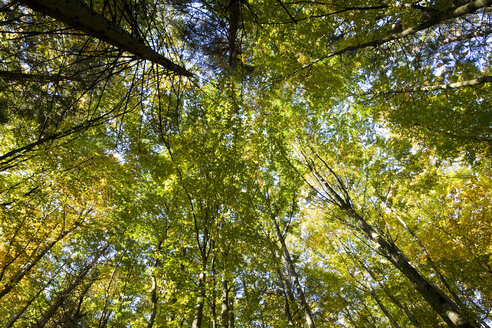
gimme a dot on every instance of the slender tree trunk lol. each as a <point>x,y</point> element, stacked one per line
<point>231,312</point>
<point>213,305</point>
<point>15,153</point>
<point>440,18</point>
<point>224,311</point>
<point>40,78</point>
<point>153,299</point>
<point>384,309</point>
<point>293,275</point>
<point>31,300</point>
<point>350,318</point>
<point>17,277</point>
<point>68,291</point>
<point>395,301</point>
<point>200,300</point>
<point>456,85</point>
<point>283,289</point>
<point>78,315</point>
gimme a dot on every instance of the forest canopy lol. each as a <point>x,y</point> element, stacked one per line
<point>245,163</point>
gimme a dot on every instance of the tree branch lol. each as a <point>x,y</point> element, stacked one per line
<point>432,21</point>
<point>77,15</point>
<point>456,85</point>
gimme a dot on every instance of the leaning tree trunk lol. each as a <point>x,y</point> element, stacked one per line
<point>79,16</point>
<point>439,301</point>
<point>24,270</point>
<point>383,308</point>
<point>68,291</point>
<point>338,194</point>
<point>393,299</point>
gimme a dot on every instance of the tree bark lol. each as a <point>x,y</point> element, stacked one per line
<point>283,289</point>
<point>42,78</point>
<point>224,310</point>
<point>200,299</point>
<point>231,312</point>
<point>76,14</point>
<point>441,303</point>
<point>293,275</point>
<point>234,18</point>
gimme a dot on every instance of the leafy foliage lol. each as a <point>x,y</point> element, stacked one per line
<point>312,144</point>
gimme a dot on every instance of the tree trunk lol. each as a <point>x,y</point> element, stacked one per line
<point>231,312</point>
<point>395,301</point>
<point>40,78</point>
<point>234,18</point>
<point>17,277</point>
<point>456,85</point>
<point>15,153</point>
<point>154,302</point>
<point>383,308</point>
<point>224,311</point>
<point>441,303</point>
<point>283,289</point>
<point>200,299</point>
<point>293,275</point>
<point>77,15</point>
<point>213,305</point>
<point>68,291</point>
<point>29,302</point>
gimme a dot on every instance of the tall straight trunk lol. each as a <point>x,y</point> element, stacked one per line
<point>231,311</point>
<point>154,301</point>
<point>153,297</point>
<point>213,305</point>
<point>200,300</point>
<point>283,289</point>
<point>293,275</point>
<point>224,310</point>
<point>68,290</point>
<point>439,301</point>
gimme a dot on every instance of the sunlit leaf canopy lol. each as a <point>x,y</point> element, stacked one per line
<point>245,163</point>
